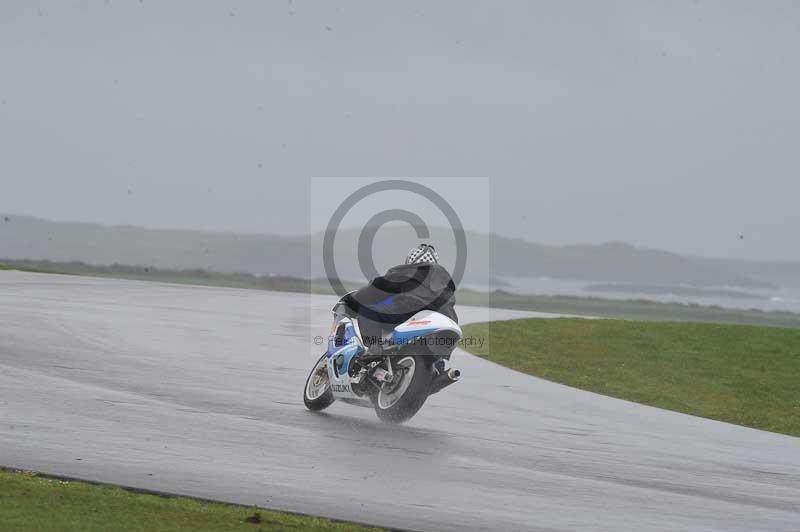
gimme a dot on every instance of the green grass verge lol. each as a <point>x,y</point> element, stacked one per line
<point>7,267</point>
<point>742,374</point>
<point>30,502</point>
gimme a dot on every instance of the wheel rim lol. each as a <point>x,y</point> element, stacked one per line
<point>318,382</point>
<point>390,393</point>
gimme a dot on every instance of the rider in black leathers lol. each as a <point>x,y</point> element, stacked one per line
<point>419,284</point>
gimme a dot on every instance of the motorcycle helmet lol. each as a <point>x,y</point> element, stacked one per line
<point>423,253</point>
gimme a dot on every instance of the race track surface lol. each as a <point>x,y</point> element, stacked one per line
<point>198,391</point>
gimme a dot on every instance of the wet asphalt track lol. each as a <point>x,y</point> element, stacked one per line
<point>197,391</point>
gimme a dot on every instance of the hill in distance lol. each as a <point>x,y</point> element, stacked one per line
<point>488,257</point>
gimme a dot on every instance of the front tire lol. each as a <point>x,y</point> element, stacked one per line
<point>397,402</point>
<point>317,394</point>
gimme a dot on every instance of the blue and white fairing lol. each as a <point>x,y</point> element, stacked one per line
<point>346,343</point>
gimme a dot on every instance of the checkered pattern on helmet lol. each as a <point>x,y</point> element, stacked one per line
<point>424,253</point>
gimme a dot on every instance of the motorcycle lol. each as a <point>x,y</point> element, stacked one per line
<point>395,376</point>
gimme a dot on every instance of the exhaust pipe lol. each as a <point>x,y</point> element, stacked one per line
<point>444,380</point>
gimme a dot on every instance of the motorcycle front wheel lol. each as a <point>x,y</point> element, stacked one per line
<point>399,400</point>
<point>317,394</point>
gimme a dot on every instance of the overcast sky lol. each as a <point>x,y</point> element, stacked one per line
<point>673,125</point>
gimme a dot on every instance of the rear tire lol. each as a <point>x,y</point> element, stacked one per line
<point>398,402</point>
<point>317,394</point>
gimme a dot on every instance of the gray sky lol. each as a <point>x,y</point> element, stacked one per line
<point>672,125</point>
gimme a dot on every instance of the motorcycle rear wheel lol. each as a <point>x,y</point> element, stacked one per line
<point>317,394</point>
<point>398,401</point>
